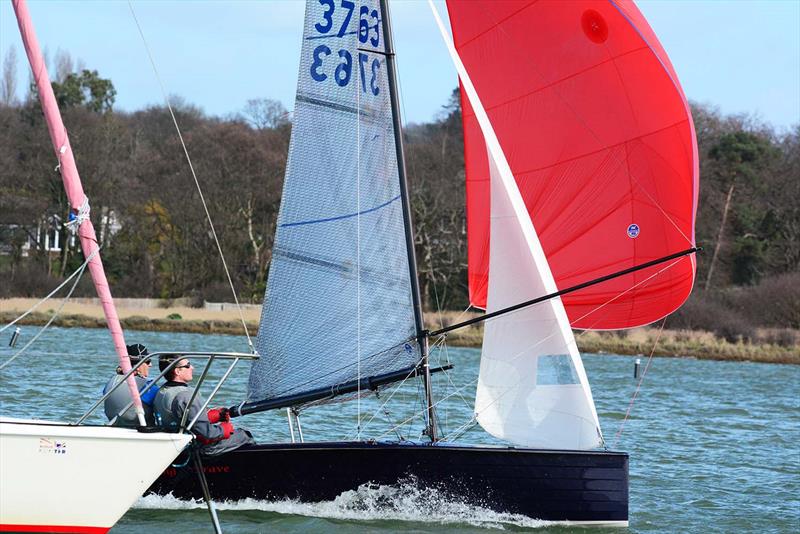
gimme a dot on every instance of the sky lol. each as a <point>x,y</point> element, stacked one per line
<point>741,56</point>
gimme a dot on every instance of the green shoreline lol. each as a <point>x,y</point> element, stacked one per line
<point>682,344</point>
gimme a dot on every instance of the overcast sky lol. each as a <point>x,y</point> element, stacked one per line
<point>742,56</point>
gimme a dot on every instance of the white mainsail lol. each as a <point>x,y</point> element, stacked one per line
<point>532,388</point>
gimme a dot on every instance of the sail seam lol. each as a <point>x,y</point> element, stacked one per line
<point>497,24</point>
<point>560,80</point>
<point>647,47</point>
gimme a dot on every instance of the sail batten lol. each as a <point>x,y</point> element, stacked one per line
<point>338,305</point>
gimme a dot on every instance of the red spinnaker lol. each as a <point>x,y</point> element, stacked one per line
<point>599,136</point>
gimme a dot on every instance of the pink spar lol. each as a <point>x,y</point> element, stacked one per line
<point>79,203</point>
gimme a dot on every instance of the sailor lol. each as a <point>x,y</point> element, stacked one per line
<point>121,396</point>
<point>213,429</point>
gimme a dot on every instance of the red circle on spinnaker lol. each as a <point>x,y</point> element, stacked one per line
<point>594,26</point>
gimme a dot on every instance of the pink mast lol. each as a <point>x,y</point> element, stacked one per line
<point>78,201</point>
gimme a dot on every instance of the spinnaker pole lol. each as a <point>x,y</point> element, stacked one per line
<point>422,337</point>
<point>571,289</point>
<point>79,203</point>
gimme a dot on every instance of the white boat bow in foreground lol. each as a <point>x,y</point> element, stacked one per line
<point>61,473</point>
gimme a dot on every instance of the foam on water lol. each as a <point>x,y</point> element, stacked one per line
<point>370,502</point>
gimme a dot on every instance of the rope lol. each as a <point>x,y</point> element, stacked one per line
<point>383,404</point>
<point>639,385</point>
<point>53,292</point>
<point>76,219</point>
<point>463,429</point>
<point>523,351</point>
<point>80,270</point>
<point>194,176</point>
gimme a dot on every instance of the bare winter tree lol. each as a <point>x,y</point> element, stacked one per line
<point>8,84</point>
<point>263,113</point>
<point>63,66</point>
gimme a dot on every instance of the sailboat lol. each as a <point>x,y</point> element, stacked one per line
<point>61,477</point>
<point>581,197</point>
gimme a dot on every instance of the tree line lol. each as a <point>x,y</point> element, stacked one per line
<point>157,243</point>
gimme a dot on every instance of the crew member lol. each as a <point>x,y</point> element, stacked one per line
<point>121,396</point>
<point>213,429</point>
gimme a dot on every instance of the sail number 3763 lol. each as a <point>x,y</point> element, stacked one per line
<point>368,32</point>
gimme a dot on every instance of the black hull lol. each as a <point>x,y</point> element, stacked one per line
<point>580,486</point>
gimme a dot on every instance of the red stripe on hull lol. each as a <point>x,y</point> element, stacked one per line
<point>53,528</point>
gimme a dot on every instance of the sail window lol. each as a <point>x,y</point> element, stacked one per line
<point>555,370</point>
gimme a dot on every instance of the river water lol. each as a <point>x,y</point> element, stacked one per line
<point>714,446</point>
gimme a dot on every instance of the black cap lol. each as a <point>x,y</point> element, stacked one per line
<point>136,352</point>
<point>165,359</point>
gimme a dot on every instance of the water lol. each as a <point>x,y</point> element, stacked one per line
<point>715,446</point>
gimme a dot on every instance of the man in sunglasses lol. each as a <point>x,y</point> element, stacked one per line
<point>213,429</point>
<point>121,396</point>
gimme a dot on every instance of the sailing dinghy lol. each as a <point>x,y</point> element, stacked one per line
<point>62,477</point>
<point>581,181</point>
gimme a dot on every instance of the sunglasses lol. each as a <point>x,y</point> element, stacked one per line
<point>184,366</point>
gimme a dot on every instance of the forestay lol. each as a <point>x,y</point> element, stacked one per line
<point>338,304</point>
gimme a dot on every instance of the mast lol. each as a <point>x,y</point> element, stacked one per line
<point>422,337</point>
<point>78,201</point>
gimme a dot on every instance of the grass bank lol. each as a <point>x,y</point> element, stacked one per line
<point>137,322</point>
<point>771,346</point>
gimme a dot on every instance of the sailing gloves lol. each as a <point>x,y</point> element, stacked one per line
<point>227,428</point>
<point>222,417</point>
<point>219,414</point>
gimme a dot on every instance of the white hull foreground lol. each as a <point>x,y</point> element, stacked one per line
<point>56,477</point>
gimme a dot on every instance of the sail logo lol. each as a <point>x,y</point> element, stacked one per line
<point>48,446</point>
<point>633,231</point>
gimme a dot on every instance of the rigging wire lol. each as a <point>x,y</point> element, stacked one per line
<point>53,292</point>
<point>80,272</point>
<point>194,176</point>
<point>358,256</point>
<point>386,401</point>
<point>396,389</point>
<point>422,411</point>
<point>638,385</point>
<point>522,352</point>
<point>463,429</point>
